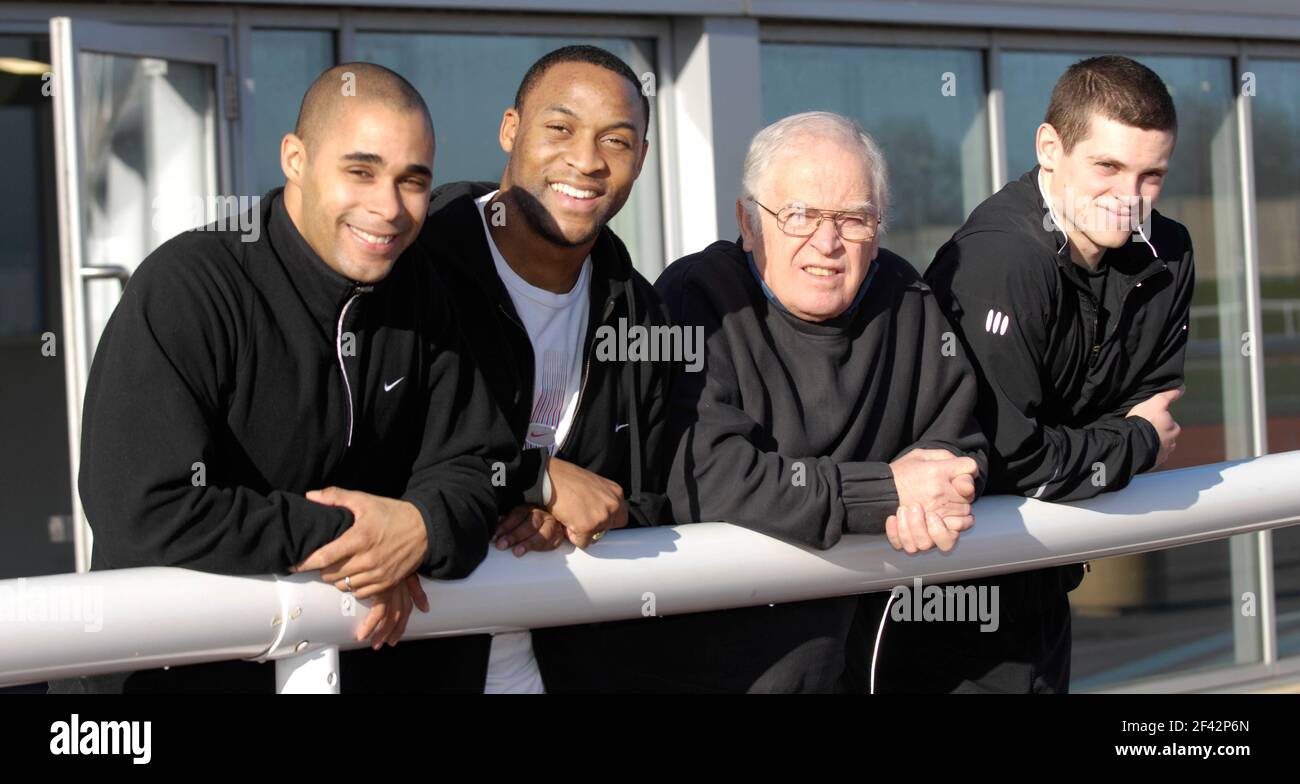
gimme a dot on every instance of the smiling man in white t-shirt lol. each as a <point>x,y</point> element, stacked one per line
<point>535,272</point>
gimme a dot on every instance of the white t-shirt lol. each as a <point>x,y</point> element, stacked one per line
<point>557,326</point>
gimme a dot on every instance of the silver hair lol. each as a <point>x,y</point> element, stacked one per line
<point>824,127</point>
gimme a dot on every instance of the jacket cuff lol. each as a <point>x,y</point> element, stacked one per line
<point>435,544</point>
<point>1147,438</point>
<point>869,495</point>
<point>532,475</point>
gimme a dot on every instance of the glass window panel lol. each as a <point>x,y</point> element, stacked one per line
<point>1275,120</point>
<point>1175,610</point>
<point>147,132</point>
<point>285,63</point>
<point>926,110</point>
<point>467,100</point>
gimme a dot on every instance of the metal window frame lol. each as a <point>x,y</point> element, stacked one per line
<point>1270,50</point>
<point>496,23</point>
<point>714,115</point>
<point>1263,540</point>
<point>878,35</point>
<point>121,14</point>
<point>996,112</point>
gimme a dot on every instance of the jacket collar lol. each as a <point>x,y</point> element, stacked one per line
<point>322,290</point>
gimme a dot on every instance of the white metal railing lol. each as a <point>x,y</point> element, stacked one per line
<point>129,619</point>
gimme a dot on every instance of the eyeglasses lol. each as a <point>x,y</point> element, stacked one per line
<point>798,221</point>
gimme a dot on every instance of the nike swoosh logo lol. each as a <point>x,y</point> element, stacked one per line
<point>619,427</point>
<point>387,387</point>
<point>536,435</point>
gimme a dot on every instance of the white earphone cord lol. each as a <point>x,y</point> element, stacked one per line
<point>875,651</point>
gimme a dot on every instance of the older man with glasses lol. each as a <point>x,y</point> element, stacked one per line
<point>833,400</point>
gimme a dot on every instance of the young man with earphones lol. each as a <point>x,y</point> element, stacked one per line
<point>1071,296</point>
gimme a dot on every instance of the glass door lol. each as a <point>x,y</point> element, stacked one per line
<point>140,127</point>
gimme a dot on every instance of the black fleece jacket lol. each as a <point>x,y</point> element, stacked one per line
<point>235,376</point>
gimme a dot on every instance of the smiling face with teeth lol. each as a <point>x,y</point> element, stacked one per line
<point>360,192</point>
<point>817,277</point>
<point>576,147</point>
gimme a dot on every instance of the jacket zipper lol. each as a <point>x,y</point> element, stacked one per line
<point>1098,340</point>
<point>1123,303</point>
<point>338,349</point>
<point>1096,327</point>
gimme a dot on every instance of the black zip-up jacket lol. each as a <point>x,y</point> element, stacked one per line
<point>618,427</point>
<point>235,376</point>
<point>1055,390</point>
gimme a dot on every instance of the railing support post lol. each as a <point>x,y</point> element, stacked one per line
<point>313,672</point>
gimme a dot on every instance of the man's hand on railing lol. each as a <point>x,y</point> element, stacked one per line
<point>528,528</point>
<point>1155,410</point>
<point>587,504</point>
<point>386,622</point>
<point>913,530</point>
<point>387,542</point>
<point>935,493</point>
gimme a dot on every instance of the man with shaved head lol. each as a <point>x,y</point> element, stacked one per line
<point>350,117</point>
<point>300,402</point>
